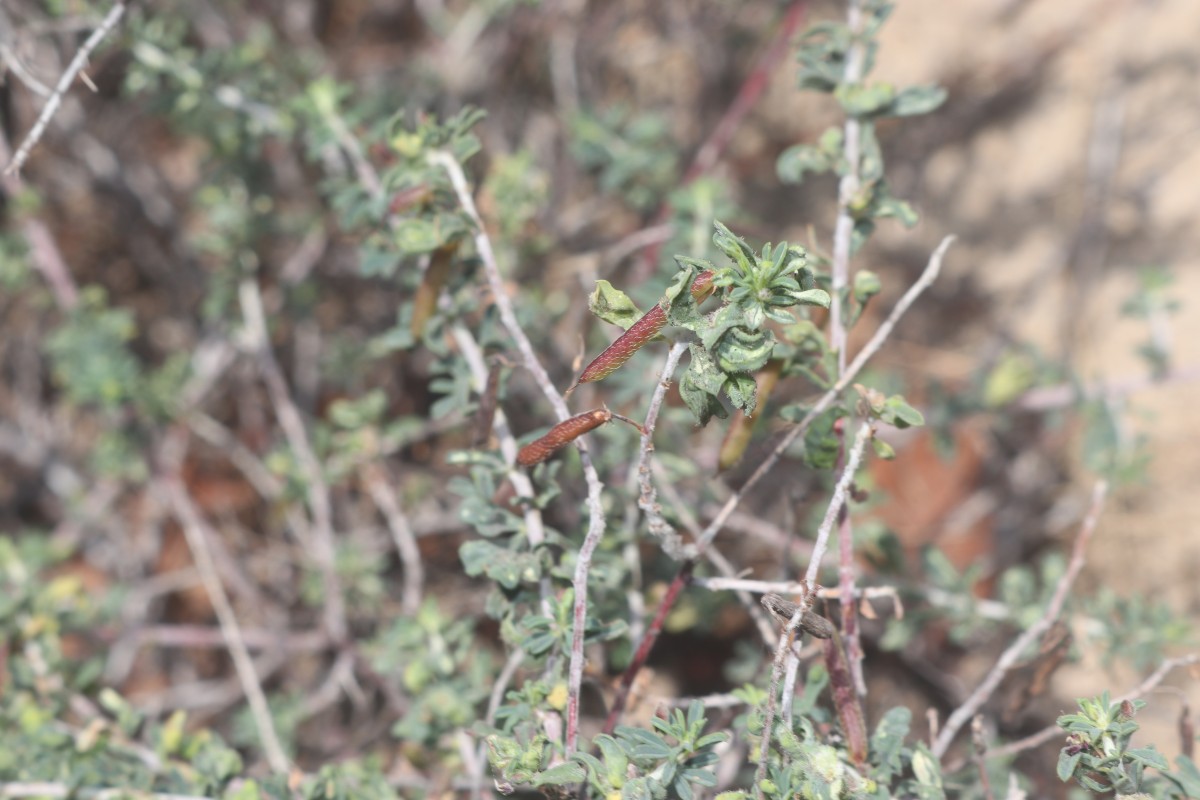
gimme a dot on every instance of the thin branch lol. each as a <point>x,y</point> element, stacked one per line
<point>777,668</point>
<point>782,650</point>
<point>835,510</point>
<point>14,63</point>
<point>1051,731</point>
<point>73,69</point>
<point>1012,654</point>
<point>196,532</point>
<point>793,587</point>
<point>848,186</point>
<point>869,350</point>
<point>660,529</point>
<point>44,252</point>
<point>515,658</point>
<point>385,500</point>
<point>596,518</point>
<point>318,496</point>
<point>647,643</point>
<point>752,88</point>
<point>534,528</point>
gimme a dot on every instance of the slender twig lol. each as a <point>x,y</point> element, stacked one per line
<point>64,82</point>
<point>535,531</point>
<point>647,643</point>
<point>793,587</point>
<point>196,532</point>
<point>381,492</point>
<point>782,650</point>
<point>200,636</point>
<point>660,529</point>
<point>14,63</point>
<point>869,350</point>
<point>715,557</point>
<point>1051,731</point>
<point>1013,653</point>
<point>777,669</point>
<point>294,429</point>
<point>595,487</point>
<point>979,739</point>
<point>843,239</point>
<point>848,186</point>
<point>515,658</point>
<point>44,252</point>
<point>718,140</point>
<point>835,510</point>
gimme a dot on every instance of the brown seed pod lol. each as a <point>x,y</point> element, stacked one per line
<point>640,332</point>
<point>741,430</point>
<point>810,622</point>
<point>561,435</point>
<point>432,282</point>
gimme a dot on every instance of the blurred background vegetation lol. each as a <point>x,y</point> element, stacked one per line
<point>210,340</point>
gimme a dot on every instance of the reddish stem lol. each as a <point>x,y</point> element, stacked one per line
<point>682,578</point>
<point>715,145</point>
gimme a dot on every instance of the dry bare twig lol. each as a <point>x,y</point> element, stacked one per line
<point>1051,731</point>
<point>196,533</point>
<point>380,489</point>
<point>595,487</point>
<point>841,494</point>
<point>294,429</point>
<point>64,82</point>
<point>1010,656</point>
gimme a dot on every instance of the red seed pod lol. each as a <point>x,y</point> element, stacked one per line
<point>561,435</point>
<point>642,331</point>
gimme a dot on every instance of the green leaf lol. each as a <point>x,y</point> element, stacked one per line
<point>812,297</point>
<point>928,773</point>
<point>1149,757</point>
<point>507,568</point>
<point>866,285</point>
<point>612,305</point>
<point>916,100</point>
<point>733,246</point>
<point>883,449</point>
<point>1067,764</point>
<point>700,386</point>
<point>899,413</point>
<point>742,391</point>
<point>863,100</point>
<point>798,160</point>
<point>566,772</point>
<point>416,235</point>
<point>1186,775</point>
<point>887,743</point>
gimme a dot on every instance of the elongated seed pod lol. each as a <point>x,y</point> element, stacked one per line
<point>741,430</point>
<point>561,435</point>
<point>432,283</point>
<point>640,332</point>
<point>810,622</point>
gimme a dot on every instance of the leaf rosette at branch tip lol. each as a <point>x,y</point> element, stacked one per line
<point>761,288</point>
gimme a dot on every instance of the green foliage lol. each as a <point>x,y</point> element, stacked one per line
<point>631,154</point>
<point>1137,630</point>
<point>670,761</point>
<point>395,210</point>
<point>1099,757</point>
<point>434,660</point>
